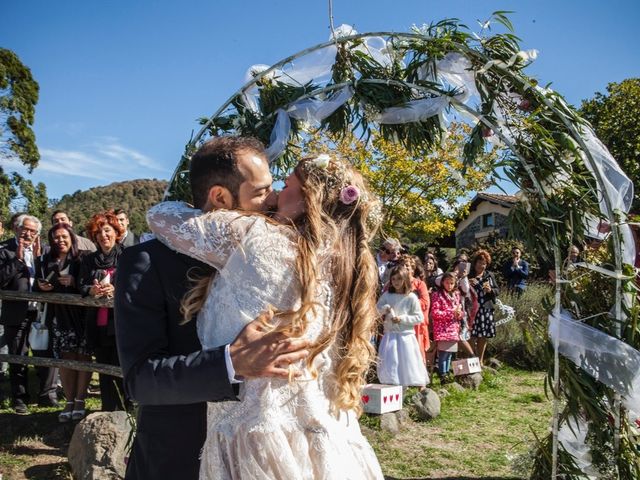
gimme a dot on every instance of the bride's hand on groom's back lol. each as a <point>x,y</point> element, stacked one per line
<point>258,353</point>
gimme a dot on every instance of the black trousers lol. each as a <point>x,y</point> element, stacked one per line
<point>111,388</point>
<point>16,337</point>
<point>168,442</point>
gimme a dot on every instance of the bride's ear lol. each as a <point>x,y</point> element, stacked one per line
<point>220,197</point>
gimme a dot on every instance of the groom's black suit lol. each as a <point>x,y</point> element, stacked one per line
<point>164,368</point>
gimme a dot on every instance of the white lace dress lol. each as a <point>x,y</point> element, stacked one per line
<point>279,430</point>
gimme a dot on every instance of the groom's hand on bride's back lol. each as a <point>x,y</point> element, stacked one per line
<point>258,353</point>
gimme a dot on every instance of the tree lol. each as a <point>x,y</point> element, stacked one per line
<point>614,118</point>
<point>35,198</point>
<point>18,98</point>
<point>420,193</point>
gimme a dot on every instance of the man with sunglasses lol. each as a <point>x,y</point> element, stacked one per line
<point>386,258</point>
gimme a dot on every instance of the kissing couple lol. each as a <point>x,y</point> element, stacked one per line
<point>306,274</point>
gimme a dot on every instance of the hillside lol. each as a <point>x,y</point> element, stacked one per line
<point>134,196</point>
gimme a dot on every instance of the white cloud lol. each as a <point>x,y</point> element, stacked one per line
<point>106,160</point>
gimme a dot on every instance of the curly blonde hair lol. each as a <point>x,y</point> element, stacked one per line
<point>345,230</point>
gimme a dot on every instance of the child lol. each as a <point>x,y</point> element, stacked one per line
<point>446,313</point>
<point>400,361</point>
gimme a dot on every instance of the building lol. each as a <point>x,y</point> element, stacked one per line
<point>488,214</point>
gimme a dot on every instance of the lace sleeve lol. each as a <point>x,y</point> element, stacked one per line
<point>209,237</point>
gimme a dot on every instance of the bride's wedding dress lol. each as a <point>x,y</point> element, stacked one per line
<point>278,430</point>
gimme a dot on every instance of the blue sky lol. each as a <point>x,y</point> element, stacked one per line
<point>122,83</point>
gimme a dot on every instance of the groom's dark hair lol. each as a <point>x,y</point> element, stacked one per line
<point>216,163</point>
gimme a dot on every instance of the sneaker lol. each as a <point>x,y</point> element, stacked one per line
<point>20,407</point>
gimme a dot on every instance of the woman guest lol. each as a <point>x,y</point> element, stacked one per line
<point>486,288</point>
<point>97,280</point>
<point>59,271</point>
<point>431,270</point>
<point>419,287</point>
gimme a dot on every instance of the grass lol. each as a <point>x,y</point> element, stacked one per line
<point>34,446</point>
<point>479,434</point>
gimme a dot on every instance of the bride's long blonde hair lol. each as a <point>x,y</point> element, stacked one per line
<point>335,228</point>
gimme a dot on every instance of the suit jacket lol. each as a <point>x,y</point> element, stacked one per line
<point>130,240</point>
<point>165,369</point>
<point>14,275</point>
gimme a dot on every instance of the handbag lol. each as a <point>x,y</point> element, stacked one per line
<point>39,333</point>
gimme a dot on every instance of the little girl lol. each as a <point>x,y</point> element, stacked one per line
<point>400,361</point>
<point>446,313</point>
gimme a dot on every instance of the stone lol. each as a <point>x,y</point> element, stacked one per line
<point>427,404</point>
<point>494,363</point>
<point>98,446</point>
<point>455,386</point>
<point>471,381</point>
<point>443,392</point>
<point>489,370</point>
<point>403,417</point>
<point>389,423</point>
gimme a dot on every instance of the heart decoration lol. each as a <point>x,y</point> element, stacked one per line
<point>397,397</point>
<point>384,399</point>
<point>365,399</point>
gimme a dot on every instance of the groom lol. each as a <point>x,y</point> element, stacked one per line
<point>165,369</point>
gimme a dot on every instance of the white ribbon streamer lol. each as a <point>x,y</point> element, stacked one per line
<point>414,111</point>
<point>279,135</point>
<point>607,359</point>
<point>313,110</point>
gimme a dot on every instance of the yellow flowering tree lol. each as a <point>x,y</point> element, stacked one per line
<point>422,194</point>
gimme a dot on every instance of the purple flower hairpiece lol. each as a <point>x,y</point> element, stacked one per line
<point>349,194</point>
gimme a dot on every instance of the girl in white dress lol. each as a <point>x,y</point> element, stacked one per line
<point>399,358</point>
<point>315,268</point>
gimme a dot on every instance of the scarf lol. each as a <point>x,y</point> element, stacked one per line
<point>102,260</point>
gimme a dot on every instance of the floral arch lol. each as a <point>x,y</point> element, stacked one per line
<point>408,85</point>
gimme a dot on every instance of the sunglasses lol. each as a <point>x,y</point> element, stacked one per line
<point>387,251</point>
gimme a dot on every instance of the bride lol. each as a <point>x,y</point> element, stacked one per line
<point>313,266</point>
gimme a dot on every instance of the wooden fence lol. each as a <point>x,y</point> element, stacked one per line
<point>66,299</point>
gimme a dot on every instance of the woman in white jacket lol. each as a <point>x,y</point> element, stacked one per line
<point>399,358</point>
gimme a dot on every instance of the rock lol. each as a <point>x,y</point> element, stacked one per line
<point>389,423</point>
<point>97,448</point>
<point>489,370</point>
<point>443,392</point>
<point>455,386</point>
<point>494,363</point>
<point>403,417</point>
<point>427,404</point>
<point>473,380</point>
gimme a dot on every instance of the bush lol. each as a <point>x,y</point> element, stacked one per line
<point>517,342</point>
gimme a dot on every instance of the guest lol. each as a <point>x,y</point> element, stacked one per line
<point>572,258</point>
<point>400,362</point>
<point>386,258</point>
<point>468,300</point>
<point>431,270</point>
<point>97,280</point>
<point>18,273</point>
<point>516,272</point>
<point>128,237</point>
<point>59,272</point>
<point>446,314</point>
<point>84,244</point>
<point>486,288</point>
<point>419,288</point>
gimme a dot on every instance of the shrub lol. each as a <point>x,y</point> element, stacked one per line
<point>517,342</point>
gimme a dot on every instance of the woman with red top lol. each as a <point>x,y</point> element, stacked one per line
<point>97,279</point>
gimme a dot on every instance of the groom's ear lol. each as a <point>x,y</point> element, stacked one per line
<point>220,197</point>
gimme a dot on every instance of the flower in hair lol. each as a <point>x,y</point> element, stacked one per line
<point>321,161</point>
<point>349,194</point>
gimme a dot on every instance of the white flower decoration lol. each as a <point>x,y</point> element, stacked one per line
<point>321,161</point>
